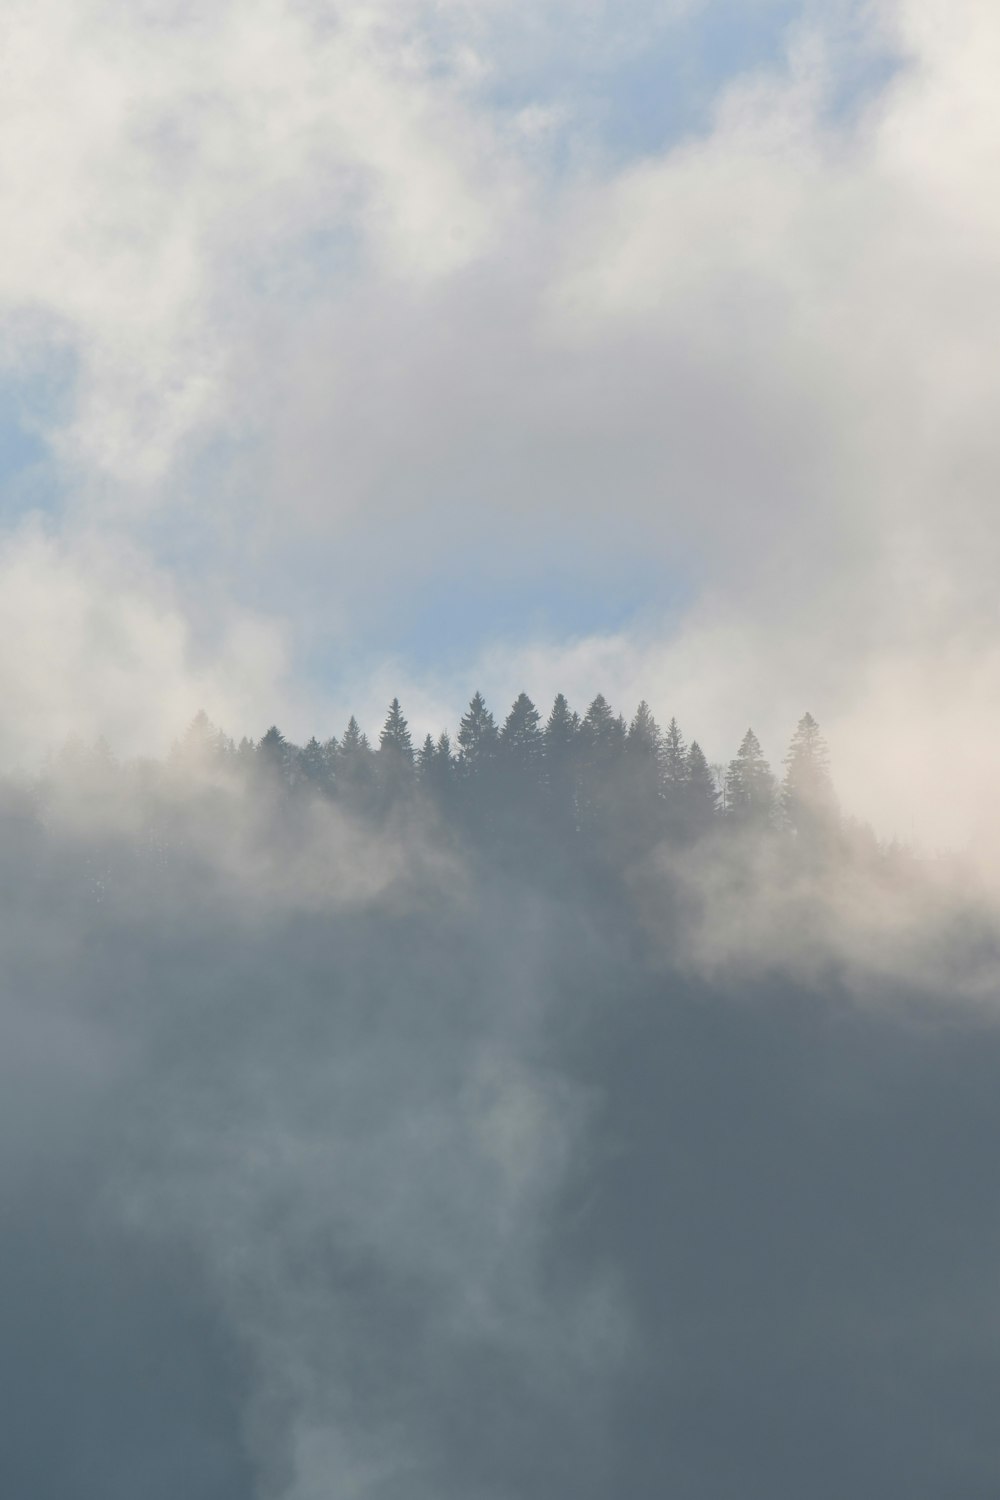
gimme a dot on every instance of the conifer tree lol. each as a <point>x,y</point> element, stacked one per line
<point>750,787</point>
<point>602,743</point>
<point>702,798</point>
<point>353,741</point>
<point>395,753</point>
<point>559,751</point>
<point>477,736</point>
<point>394,740</point>
<point>314,765</point>
<point>561,730</point>
<point>274,752</point>
<point>520,743</point>
<point>601,730</point>
<point>425,759</point>
<point>807,797</point>
<point>644,740</point>
<point>443,750</point>
<point>675,781</point>
<point>435,767</point>
<point>354,773</point>
<point>675,759</point>
<point>202,744</point>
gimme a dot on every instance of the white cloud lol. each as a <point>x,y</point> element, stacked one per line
<point>100,644</point>
<point>762,356</point>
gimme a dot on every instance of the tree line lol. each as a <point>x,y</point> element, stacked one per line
<point>590,774</point>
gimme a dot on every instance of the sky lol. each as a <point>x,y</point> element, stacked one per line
<point>427,346</point>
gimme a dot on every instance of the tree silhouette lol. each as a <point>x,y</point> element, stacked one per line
<point>354,773</point>
<point>750,786</point>
<point>559,751</point>
<point>702,794</point>
<point>274,753</point>
<point>394,761</point>
<point>521,745</point>
<point>807,796</point>
<point>477,738</point>
<point>316,765</point>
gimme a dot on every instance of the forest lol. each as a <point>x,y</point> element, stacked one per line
<point>597,781</point>
<point>546,1114</point>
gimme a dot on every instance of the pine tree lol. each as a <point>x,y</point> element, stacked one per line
<point>353,741</point>
<point>425,760</point>
<point>274,752</point>
<point>750,788</point>
<point>702,799</point>
<point>436,767</point>
<point>394,761</point>
<point>807,797</point>
<point>478,738</point>
<point>314,765</point>
<point>520,743</point>
<point>394,741</point>
<point>675,759</point>
<point>675,781</point>
<point>644,740</point>
<point>246,751</point>
<point>202,743</point>
<point>355,771</point>
<point>601,731</point>
<point>560,745</point>
<point>602,744</point>
<point>561,730</point>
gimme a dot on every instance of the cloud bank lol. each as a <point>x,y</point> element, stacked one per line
<point>350,303</point>
<point>348,1155</point>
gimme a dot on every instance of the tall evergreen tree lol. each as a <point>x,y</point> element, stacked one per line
<point>602,733</point>
<point>435,767</point>
<point>202,744</point>
<point>702,799</point>
<point>750,786</point>
<point>425,758</point>
<point>632,787</point>
<point>355,769</point>
<point>394,760</point>
<point>274,752</point>
<point>444,766</point>
<point>675,759</point>
<point>521,743</point>
<point>675,780</point>
<point>246,751</point>
<point>602,744</point>
<point>315,766</point>
<point>559,751</point>
<point>477,737</point>
<point>394,740</point>
<point>644,740</point>
<point>807,797</point>
<point>561,730</point>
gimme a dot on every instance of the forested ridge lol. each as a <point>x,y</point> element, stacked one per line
<point>489,1118</point>
<point>596,778</point>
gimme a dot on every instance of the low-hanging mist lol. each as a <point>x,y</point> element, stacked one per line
<point>555,1116</point>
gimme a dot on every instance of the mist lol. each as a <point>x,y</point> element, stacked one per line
<point>401,1138</point>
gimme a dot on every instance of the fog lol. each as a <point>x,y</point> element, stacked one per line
<point>370,1151</point>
